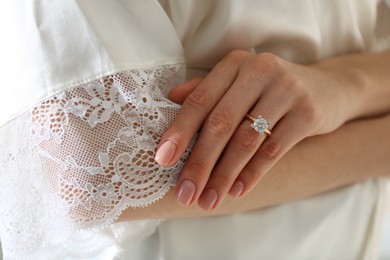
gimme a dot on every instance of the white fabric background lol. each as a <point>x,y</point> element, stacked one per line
<point>41,50</point>
<point>385,240</point>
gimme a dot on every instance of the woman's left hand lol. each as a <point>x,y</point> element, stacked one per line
<point>230,156</point>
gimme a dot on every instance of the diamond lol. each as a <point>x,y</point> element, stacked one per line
<point>260,125</point>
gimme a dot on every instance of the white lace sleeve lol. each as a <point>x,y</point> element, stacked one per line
<point>79,158</point>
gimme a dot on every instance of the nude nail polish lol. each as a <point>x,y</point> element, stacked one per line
<point>236,189</point>
<point>186,192</point>
<point>208,199</point>
<point>165,153</point>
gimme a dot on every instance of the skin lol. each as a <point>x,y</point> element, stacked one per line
<point>304,171</point>
<point>300,100</point>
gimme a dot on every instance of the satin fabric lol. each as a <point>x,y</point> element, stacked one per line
<point>59,45</point>
<point>107,37</point>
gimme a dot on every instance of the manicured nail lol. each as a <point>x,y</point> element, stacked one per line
<point>186,192</point>
<point>236,189</point>
<point>208,199</point>
<point>165,153</point>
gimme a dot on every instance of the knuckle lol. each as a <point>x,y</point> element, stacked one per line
<point>246,139</point>
<point>199,98</point>
<point>252,175</point>
<point>265,66</point>
<point>311,112</point>
<point>270,150</point>
<point>198,168</point>
<point>270,60</point>
<point>236,55</point>
<point>255,70</point>
<point>291,83</point>
<point>222,181</point>
<point>219,122</point>
<point>231,60</point>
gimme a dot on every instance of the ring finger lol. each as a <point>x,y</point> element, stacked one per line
<point>240,149</point>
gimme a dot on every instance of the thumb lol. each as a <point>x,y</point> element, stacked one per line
<point>179,93</point>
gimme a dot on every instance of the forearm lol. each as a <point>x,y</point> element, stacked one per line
<point>356,152</point>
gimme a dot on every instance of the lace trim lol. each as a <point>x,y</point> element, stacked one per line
<point>81,157</point>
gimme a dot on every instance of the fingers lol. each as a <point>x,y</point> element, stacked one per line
<point>288,132</point>
<point>238,152</point>
<point>230,156</point>
<point>215,134</point>
<point>240,149</point>
<point>194,111</point>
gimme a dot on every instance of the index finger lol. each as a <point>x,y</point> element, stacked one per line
<point>194,112</point>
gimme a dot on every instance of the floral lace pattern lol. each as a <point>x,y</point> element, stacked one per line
<point>90,154</point>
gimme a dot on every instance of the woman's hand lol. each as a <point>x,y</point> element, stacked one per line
<point>230,156</point>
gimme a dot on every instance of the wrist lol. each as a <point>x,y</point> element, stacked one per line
<point>356,83</point>
<point>352,85</point>
<point>366,75</point>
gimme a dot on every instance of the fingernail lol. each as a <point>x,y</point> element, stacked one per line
<point>165,153</point>
<point>186,192</point>
<point>208,199</point>
<point>236,189</point>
